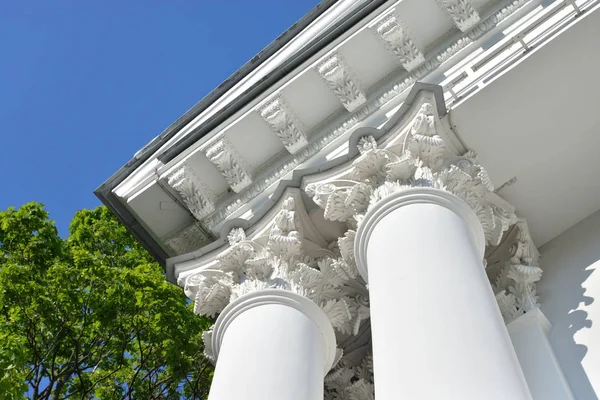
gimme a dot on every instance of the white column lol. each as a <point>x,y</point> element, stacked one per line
<point>271,345</point>
<point>529,334</point>
<point>436,328</point>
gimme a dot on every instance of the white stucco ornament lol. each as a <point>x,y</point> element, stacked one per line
<point>515,285</point>
<point>287,261</point>
<point>420,158</point>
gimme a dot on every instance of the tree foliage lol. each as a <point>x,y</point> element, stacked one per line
<point>91,316</point>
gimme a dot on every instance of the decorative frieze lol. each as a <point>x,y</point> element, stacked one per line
<point>230,164</point>
<point>342,81</point>
<point>462,13</point>
<point>397,39</point>
<point>285,123</point>
<point>195,194</point>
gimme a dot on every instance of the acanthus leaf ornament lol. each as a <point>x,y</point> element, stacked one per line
<point>462,12</point>
<point>398,41</point>
<point>196,195</point>
<point>285,123</point>
<point>281,261</point>
<point>421,159</point>
<point>515,284</point>
<point>230,164</point>
<point>342,81</point>
<point>188,239</point>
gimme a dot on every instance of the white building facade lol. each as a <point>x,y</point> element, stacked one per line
<point>395,199</point>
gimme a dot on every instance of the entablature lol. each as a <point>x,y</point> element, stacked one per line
<point>304,118</point>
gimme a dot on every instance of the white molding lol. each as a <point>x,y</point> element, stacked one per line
<point>342,81</point>
<point>230,164</point>
<point>196,195</point>
<point>282,120</point>
<point>462,12</point>
<point>397,39</point>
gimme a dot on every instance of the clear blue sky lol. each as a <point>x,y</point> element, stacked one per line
<point>85,84</point>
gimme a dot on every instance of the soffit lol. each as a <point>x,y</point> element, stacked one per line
<point>536,128</point>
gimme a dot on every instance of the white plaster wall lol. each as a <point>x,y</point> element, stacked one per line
<point>570,296</point>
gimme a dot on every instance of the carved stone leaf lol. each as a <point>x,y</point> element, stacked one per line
<point>397,40</point>
<point>307,276</point>
<point>361,390</point>
<point>462,12</point>
<point>370,167</point>
<point>210,290</point>
<point>286,246</point>
<point>234,258</point>
<point>344,203</point>
<point>403,168</point>
<point>235,236</point>
<point>208,349</point>
<point>285,123</point>
<point>339,378</point>
<point>507,303</point>
<point>342,82</point>
<point>346,246</point>
<point>332,273</point>
<point>337,312</point>
<point>230,164</point>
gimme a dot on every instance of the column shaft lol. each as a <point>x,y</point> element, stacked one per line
<point>437,330</point>
<point>270,350</point>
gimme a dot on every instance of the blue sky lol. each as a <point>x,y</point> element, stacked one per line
<point>85,84</point>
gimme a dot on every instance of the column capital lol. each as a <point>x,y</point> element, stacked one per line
<point>281,297</point>
<point>411,196</point>
<point>283,260</point>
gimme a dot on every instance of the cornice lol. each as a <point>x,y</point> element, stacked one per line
<point>213,222</point>
<point>288,164</point>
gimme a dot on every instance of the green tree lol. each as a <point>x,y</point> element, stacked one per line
<point>91,316</point>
